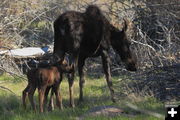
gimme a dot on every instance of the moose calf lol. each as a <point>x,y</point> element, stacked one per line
<point>45,79</point>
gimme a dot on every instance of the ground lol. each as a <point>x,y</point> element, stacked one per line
<point>96,94</point>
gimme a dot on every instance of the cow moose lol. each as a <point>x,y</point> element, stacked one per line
<point>45,79</point>
<point>90,34</point>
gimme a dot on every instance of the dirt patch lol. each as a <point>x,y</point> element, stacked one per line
<point>109,111</point>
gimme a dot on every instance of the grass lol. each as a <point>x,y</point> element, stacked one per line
<point>96,93</point>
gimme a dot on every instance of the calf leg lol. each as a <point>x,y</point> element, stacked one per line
<point>24,95</point>
<point>71,82</point>
<point>30,95</point>
<point>51,102</point>
<point>106,67</point>
<point>58,96</point>
<point>41,92</point>
<point>81,62</point>
<point>46,96</point>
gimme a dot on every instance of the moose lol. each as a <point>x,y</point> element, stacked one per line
<point>44,79</point>
<point>90,34</point>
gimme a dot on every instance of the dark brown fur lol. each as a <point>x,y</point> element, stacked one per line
<point>45,79</point>
<point>90,34</point>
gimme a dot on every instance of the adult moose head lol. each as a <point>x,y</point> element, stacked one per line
<point>68,32</point>
<point>121,45</point>
<point>89,34</point>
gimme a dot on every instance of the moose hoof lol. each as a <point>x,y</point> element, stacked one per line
<point>50,108</point>
<point>61,107</point>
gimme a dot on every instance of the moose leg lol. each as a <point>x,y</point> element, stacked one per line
<point>24,95</point>
<point>58,96</point>
<point>31,95</point>
<point>46,96</point>
<point>106,67</point>
<point>41,92</point>
<point>51,102</point>
<point>81,62</point>
<point>71,82</point>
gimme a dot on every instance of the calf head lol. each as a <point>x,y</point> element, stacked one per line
<point>67,61</point>
<point>64,66</point>
<point>121,45</point>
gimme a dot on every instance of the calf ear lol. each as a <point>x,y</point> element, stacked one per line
<point>126,23</point>
<point>55,58</point>
<point>64,62</point>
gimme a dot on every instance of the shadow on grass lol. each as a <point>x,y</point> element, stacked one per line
<point>9,104</point>
<point>11,109</point>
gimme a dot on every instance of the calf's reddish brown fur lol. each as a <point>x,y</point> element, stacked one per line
<point>45,79</point>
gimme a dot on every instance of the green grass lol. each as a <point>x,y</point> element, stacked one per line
<point>96,93</point>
